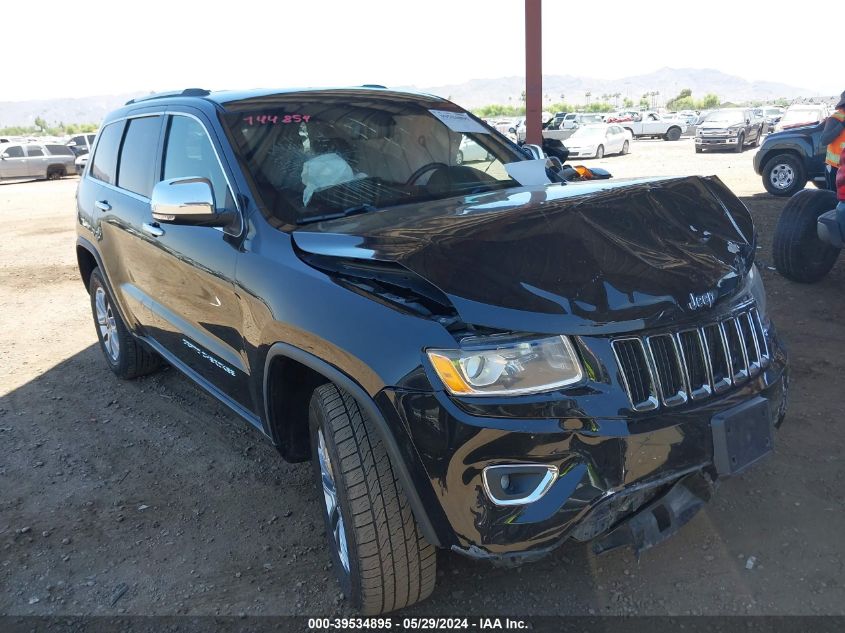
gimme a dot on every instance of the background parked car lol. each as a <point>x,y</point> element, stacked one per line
<point>562,129</point>
<point>81,143</point>
<point>729,128</point>
<point>788,160</point>
<point>470,151</point>
<point>800,115</point>
<point>773,115</point>
<point>597,140</point>
<point>33,160</point>
<point>652,124</point>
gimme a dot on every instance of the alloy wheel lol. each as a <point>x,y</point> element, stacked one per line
<point>333,510</point>
<point>107,324</point>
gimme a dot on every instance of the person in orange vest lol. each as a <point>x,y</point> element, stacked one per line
<point>833,135</point>
<point>840,193</point>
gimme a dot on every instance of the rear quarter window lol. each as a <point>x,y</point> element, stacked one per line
<point>104,165</point>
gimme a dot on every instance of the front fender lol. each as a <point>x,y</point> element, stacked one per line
<point>403,456</point>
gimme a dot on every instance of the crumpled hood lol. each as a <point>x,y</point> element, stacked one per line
<point>579,258</point>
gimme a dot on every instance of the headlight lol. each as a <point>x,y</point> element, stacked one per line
<point>732,132</point>
<point>509,368</point>
<point>755,285</point>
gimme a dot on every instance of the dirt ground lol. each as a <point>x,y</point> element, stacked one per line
<point>148,497</point>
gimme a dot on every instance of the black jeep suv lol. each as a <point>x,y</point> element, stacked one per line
<point>478,357</point>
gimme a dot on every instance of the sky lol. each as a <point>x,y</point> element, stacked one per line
<point>155,45</point>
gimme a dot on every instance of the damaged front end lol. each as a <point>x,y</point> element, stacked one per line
<point>652,287</point>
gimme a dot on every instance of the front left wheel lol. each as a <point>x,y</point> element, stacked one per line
<point>381,559</point>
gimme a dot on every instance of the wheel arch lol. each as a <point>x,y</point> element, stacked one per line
<point>315,371</point>
<point>86,260</point>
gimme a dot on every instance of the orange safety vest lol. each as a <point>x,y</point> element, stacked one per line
<point>834,150</point>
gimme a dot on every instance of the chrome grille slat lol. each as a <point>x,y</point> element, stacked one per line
<point>736,350</point>
<point>752,348</point>
<point>672,368</point>
<point>636,373</point>
<point>696,363</point>
<point>717,352</point>
<point>671,382</point>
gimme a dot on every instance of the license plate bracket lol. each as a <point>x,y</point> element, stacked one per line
<point>742,436</point>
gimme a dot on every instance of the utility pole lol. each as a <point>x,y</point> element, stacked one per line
<point>533,72</point>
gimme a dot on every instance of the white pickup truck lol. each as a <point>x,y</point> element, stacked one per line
<point>651,124</point>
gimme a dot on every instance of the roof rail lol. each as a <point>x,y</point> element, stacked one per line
<point>373,86</point>
<point>187,92</point>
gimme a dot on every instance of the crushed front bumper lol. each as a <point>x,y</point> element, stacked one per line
<point>635,480</point>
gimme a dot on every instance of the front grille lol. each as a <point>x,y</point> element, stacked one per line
<point>672,368</point>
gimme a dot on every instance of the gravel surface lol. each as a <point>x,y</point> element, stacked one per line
<point>148,497</point>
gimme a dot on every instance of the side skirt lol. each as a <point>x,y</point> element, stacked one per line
<point>205,384</point>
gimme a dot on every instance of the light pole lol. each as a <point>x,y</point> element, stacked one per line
<point>533,72</point>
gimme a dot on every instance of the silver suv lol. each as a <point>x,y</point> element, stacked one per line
<point>35,160</point>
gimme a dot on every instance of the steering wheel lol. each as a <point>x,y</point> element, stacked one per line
<point>425,168</point>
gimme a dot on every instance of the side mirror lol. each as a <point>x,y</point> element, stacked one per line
<point>4,156</point>
<point>554,163</point>
<point>511,130</point>
<point>187,201</point>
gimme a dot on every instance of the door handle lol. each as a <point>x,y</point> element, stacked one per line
<point>103,205</point>
<point>152,229</point>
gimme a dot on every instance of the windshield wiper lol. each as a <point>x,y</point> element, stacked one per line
<point>356,210</point>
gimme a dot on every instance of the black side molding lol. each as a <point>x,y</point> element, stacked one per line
<point>366,402</point>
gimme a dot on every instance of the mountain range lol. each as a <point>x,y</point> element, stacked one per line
<point>471,94</point>
<point>573,88</point>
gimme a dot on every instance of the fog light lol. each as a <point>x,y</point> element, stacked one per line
<point>518,484</point>
<point>505,482</point>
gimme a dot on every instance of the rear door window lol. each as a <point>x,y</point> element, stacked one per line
<point>33,151</point>
<point>104,165</point>
<point>136,169</point>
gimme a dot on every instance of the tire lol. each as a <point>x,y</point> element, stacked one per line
<point>784,175</point>
<point>599,152</point>
<point>126,357</point>
<point>799,254</point>
<point>673,134</point>
<point>740,144</point>
<point>459,158</point>
<point>626,147</point>
<point>388,564</point>
<point>56,173</point>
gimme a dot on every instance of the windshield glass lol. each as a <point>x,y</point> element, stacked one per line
<point>314,157</point>
<point>801,116</point>
<point>728,117</point>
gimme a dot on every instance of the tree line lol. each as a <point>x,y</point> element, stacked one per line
<point>683,101</point>
<point>42,128</point>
